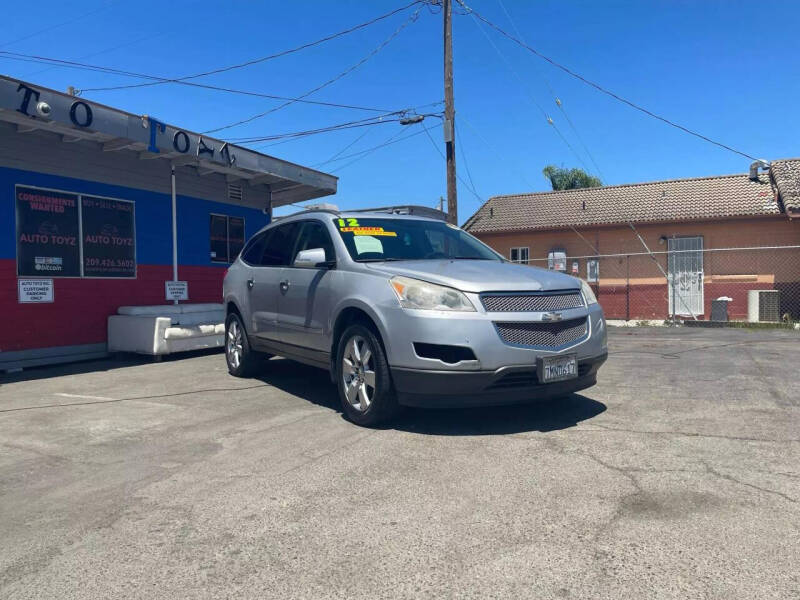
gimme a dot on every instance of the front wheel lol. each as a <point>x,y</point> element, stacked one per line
<point>363,379</point>
<point>242,360</point>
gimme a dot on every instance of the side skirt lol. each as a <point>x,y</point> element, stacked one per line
<point>307,356</point>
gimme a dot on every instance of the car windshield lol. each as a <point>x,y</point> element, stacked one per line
<point>409,239</point>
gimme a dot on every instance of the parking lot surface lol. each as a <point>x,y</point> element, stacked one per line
<point>675,477</point>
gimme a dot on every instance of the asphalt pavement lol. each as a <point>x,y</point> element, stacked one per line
<point>677,476</point>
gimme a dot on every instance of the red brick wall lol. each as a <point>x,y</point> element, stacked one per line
<point>81,307</point>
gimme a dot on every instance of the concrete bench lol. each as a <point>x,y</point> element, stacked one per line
<point>165,329</point>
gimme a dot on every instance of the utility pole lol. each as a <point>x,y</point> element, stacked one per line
<point>449,114</point>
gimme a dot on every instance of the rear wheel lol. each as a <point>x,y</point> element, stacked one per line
<point>242,360</point>
<point>363,379</point>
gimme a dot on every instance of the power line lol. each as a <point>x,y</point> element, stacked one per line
<point>530,95</point>
<point>502,158</point>
<point>84,66</point>
<point>262,59</point>
<point>464,183</point>
<point>388,142</point>
<point>600,88</point>
<point>466,164</point>
<point>347,71</point>
<point>51,27</point>
<point>294,134</point>
<point>557,100</point>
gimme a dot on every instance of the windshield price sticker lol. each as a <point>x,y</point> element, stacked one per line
<point>380,232</point>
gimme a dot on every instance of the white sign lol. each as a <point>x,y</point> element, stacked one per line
<point>35,290</point>
<point>176,290</point>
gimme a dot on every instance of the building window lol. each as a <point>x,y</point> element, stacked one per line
<point>592,270</point>
<point>70,235</point>
<point>226,238</point>
<point>557,260</point>
<point>519,255</point>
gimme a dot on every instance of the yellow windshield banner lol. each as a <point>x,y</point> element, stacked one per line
<point>368,231</point>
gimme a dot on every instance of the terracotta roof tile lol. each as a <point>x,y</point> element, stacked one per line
<point>786,176</point>
<point>674,200</point>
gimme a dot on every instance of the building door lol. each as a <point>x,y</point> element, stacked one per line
<point>685,276</point>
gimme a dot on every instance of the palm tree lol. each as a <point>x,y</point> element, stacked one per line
<point>569,179</point>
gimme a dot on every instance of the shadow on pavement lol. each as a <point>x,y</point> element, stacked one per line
<point>121,360</point>
<point>545,415</point>
<point>314,385</point>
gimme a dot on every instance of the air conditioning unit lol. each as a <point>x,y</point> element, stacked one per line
<point>764,306</point>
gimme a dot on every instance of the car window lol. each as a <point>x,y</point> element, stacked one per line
<point>254,250</point>
<point>314,235</point>
<point>279,245</point>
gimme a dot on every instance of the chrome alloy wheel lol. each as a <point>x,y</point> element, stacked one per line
<point>358,373</point>
<point>233,345</point>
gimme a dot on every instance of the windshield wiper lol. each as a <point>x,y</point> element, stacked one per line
<point>389,259</point>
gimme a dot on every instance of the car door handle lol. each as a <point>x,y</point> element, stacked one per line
<point>284,286</point>
<point>250,284</point>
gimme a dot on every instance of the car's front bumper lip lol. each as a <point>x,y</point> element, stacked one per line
<point>506,385</point>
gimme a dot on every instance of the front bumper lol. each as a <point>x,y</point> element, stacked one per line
<point>505,385</point>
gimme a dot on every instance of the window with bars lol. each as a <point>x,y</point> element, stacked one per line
<point>226,238</point>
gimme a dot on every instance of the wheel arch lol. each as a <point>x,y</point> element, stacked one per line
<point>354,312</point>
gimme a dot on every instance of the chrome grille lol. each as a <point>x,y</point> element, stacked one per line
<point>531,302</point>
<point>543,334</point>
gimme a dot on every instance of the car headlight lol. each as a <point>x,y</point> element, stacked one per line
<point>588,293</point>
<point>422,295</point>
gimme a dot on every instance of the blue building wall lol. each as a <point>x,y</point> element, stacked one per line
<point>153,217</point>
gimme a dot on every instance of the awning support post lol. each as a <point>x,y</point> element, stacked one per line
<point>174,232</point>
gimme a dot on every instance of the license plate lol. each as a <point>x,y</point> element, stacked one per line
<point>558,368</point>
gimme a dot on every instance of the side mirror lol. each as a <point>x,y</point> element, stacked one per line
<point>312,258</point>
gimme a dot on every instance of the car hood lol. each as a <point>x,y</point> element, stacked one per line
<point>480,275</point>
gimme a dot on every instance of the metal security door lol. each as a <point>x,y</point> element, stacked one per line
<point>685,276</point>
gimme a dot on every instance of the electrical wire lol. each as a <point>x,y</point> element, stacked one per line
<point>526,89</point>
<point>388,141</point>
<point>556,98</point>
<point>84,66</point>
<point>51,27</point>
<point>600,88</point>
<point>347,71</point>
<point>296,134</point>
<point>466,164</point>
<point>439,150</point>
<point>378,147</point>
<point>262,59</point>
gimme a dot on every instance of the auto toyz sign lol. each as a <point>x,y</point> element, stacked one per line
<point>48,234</point>
<point>144,131</point>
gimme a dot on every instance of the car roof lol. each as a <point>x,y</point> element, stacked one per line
<point>323,214</point>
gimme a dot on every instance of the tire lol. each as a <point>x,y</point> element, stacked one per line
<point>360,359</point>
<point>242,360</point>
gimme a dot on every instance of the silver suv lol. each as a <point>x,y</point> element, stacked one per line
<point>403,310</point>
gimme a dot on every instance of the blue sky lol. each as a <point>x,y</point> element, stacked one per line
<point>726,68</point>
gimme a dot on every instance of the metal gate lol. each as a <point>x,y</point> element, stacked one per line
<point>685,276</point>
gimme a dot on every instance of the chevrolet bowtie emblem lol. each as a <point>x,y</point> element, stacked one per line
<point>551,316</point>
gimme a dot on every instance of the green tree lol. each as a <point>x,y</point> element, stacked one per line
<point>569,179</point>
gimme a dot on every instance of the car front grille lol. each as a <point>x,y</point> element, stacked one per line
<point>532,302</point>
<point>543,334</point>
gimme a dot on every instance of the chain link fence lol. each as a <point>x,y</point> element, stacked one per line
<point>683,281</point>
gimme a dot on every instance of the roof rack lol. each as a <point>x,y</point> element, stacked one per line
<point>408,209</point>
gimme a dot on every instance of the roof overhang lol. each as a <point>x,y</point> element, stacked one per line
<point>31,107</point>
